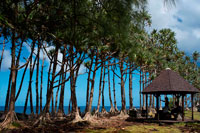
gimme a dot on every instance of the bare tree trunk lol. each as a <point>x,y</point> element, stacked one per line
<point>37,77</point>
<point>22,80</point>
<point>73,78</point>
<point>88,113</point>
<point>103,106</point>
<point>41,84</point>
<point>48,81</point>
<point>10,116</point>
<point>88,85</point>
<point>130,89</point>
<point>61,102</point>
<point>123,110</point>
<point>58,89</point>
<point>100,84</point>
<point>16,64</point>
<point>109,88</point>
<point>143,82</point>
<point>13,84</point>
<point>115,102</point>
<point>140,89</point>
<point>50,91</point>
<point>29,91</point>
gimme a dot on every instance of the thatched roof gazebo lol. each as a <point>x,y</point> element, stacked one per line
<point>170,82</point>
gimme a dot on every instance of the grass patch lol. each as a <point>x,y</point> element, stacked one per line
<point>142,128</point>
<point>188,115</point>
<point>152,128</point>
<point>100,130</point>
<point>16,124</point>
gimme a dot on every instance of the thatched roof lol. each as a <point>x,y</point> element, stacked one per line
<point>169,82</point>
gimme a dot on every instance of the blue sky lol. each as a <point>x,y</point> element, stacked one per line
<point>183,19</point>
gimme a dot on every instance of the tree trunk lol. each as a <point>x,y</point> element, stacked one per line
<point>41,84</point>
<point>37,77</point>
<point>143,82</point>
<point>50,91</point>
<point>88,113</point>
<point>123,110</point>
<point>140,89</point>
<point>88,85</point>
<point>100,84</point>
<point>22,80</point>
<point>58,89</point>
<point>110,98</point>
<point>29,91</point>
<point>130,89</point>
<point>61,102</point>
<point>115,102</point>
<point>103,106</point>
<point>10,116</point>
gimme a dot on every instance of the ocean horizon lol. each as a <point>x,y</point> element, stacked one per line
<point>20,109</point>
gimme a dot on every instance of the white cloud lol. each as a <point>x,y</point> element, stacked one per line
<point>6,62</point>
<point>183,19</point>
<point>196,33</point>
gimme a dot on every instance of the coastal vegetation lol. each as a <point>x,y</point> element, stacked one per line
<point>106,37</point>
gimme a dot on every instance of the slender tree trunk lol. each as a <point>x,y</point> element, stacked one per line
<point>61,102</point>
<point>88,85</point>
<point>88,113</point>
<point>115,102</point>
<point>130,89</point>
<point>100,84</point>
<point>58,89</point>
<point>22,80</point>
<point>123,110</point>
<point>103,106</point>
<point>109,88</point>
<point>10,116</point>
<point>13,84</point>
<point>29,91</point>
<point>48,81</point>
<point>50,92</point>
<point>140,89</point>
<point>73,78</point>
<point>41,84</point>
<point>143,83</point>
<point>37,77</point>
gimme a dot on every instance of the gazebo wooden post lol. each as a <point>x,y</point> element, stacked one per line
<point>182,107</point>
<point>157,105</point>
<point>192,107</point>
<point>146,106</point>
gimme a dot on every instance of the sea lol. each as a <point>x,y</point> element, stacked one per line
<point>20,109</point>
